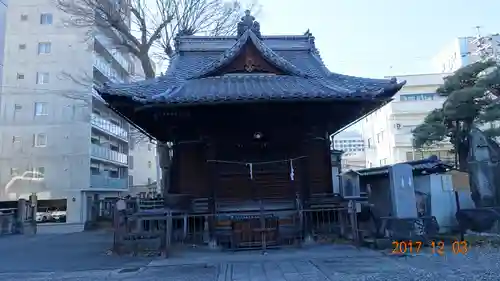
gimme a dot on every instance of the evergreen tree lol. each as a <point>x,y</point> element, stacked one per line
<point>471,99</point>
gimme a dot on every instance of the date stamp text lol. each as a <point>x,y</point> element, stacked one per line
<point>437,247</point>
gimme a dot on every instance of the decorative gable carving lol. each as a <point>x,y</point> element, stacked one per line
<point>249,60</point>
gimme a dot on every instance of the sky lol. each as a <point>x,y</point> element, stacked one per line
<point>376,38</point>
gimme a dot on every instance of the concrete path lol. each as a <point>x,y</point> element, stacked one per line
<point>81,257</point>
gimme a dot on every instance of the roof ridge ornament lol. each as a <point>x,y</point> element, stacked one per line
<point>248,22</point>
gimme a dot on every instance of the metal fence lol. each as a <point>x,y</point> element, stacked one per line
<point>259,229</point>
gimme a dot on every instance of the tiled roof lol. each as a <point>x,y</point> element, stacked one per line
<point>234,51</point>
<point>188,78</point>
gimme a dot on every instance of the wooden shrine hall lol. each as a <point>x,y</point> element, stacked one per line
<point>248,116</point>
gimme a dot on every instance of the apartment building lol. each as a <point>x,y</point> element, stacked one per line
<point>57,137</point>
<point>143,159</point>
<point>143,168</point>
<point>462,51</point>
<point>350,142</point>
<point>3,15</point>
<point>387,131</point>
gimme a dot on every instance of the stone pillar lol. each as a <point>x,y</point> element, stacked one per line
<point>21,215</point>
<point>33,208</point>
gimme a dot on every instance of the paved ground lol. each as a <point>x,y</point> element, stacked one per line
<point>61,252</point>
<point>81,257</point>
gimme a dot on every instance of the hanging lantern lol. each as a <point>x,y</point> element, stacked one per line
<point>257,135</point>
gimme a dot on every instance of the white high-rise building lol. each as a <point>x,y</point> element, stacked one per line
<point>387,131</point>
<point>3,15</point>
<point>143,161</point>
<point>57,138</point>
<point>352,144</point>
<point>349,141</point>
<point>466,50</point>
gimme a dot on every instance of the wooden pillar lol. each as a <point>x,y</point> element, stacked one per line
<point>328,163</point>
<point>305,191</point>
<point>174,169</point>
<point>212,182</point>
<point>165,163</point>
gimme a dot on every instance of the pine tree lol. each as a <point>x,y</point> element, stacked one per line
<point>472,98</point>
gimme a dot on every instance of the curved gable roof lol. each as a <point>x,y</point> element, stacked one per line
<point>233,52</point>
<point>189,79</point>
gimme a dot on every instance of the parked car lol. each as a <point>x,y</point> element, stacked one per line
<point>59,215</point>
<point>43,214</point>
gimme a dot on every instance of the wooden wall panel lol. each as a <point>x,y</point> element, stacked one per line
<point>319,167</point>
<point>233,181</point>
<point>192,170</point>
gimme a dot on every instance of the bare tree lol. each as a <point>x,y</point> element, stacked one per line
<point>146,28</point>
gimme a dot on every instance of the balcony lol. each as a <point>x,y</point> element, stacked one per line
<point>106,42</point>
<point>108,127</point>
<point>104,153</point>
<point>104,182</point>
<point>106,69</point>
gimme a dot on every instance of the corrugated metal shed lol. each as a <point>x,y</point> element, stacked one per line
<point>429,165</point>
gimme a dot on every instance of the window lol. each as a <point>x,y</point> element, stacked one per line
<point>40,108</point>
<point>22,46</point>
<point>46,19</point>
<point>42,77</point>
<point>149,147</point>
<point>130,180</point>
<point>44,48</point>
<point>150,164</point>
<point>40,140</point>
<point>94,169</point>
<point>16,139</point>
<point>24,17</point>
<point>39,173</point>
<point>20,76</point>
<point>131,162</point>
<point>17,107</point>
<point>417,97</point>
<point>14,172</point>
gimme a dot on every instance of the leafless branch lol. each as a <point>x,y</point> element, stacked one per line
<point>142,27</point>
<point>147,28</point>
